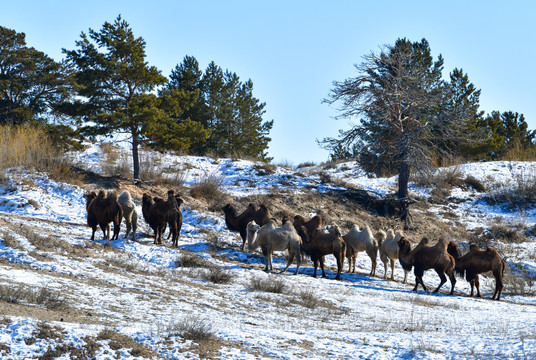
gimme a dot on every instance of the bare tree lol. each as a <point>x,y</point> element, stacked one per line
<point>406,110</point>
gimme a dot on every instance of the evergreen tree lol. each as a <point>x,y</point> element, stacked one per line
<point>186,77</point>
<point>506,130</point>
<point>226,107</point>
<point>397,93</point>
<point>31,83</point>
<point>117,87</point>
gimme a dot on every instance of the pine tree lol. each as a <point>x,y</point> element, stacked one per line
<point>117,86</point>
<point>227,108</point>
<point>31,83</point>
<point>397,93</point>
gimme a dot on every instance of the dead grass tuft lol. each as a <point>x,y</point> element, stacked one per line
<point>268,284</point>
<point>21,294</point>
<point>192,327</point>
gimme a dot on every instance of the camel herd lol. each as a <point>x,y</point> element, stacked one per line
<point>304,236</point>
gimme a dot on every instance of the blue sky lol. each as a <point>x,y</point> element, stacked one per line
<point>294,50</point>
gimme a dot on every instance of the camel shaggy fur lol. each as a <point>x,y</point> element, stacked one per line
<point>360,240</point>
<point>478,261</point>
<point>270,238</point>
<point>318,244</point>
<point>424,257</point>
<point>240,222</point>
<point>129,213</point>
<point>389,252</point>
<point>103,209</point>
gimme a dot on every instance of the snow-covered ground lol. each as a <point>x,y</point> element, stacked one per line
<point>136,289</point>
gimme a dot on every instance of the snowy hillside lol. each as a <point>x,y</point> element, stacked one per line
<point>63,296</point>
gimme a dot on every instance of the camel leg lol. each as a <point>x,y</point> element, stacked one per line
<point>243,235</point>
<point>322,266</point>
<point>315,263</point>
<point>298,262</point>
<point>290,259</point>
<point>443,279</point>
<point>340,259</point>
<point>452,278</point>
<point>498,286</point>
<point>405,276</point>
<point>94,229</point>
<point>129,227</point>
<point>384,270</point>
<point>418,279</point>
<point>393,270</point>
<point>350,264</point>
<point>266,254</point>
<point>477,285</point>
<point>105,234</point>
<point>373,270</point>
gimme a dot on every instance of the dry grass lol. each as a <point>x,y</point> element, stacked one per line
<point>265,169</point>
<point>208,188</point>
<point>31,148</point>
<point>270,284</point>
<point>519,195</point>
<point>218,275</point>
<point>192,327</point>
<point>21,294</point>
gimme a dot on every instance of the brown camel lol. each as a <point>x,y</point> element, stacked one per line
<point>424,257</point>
<point>240,222</point>
<point>478,261</point>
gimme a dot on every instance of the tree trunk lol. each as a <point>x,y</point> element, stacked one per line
<point>403,176</point>
<point>135,157</point>
<point>403,179</point>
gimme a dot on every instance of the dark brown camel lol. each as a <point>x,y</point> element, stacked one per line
<point>424,257</point>
<point>478,261</point>
<point>103,209</point>
<point>240,222</point>
<point>317,244</point>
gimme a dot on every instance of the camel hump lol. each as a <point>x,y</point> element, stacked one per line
<point>101,194</point>
<point>112,195</point>
<point>125,196</point>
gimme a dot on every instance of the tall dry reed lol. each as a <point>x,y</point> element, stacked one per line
<point>23,146</point>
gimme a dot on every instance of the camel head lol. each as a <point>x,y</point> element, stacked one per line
<point>252,229</point>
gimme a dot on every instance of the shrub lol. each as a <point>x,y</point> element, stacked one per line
<point>190,260</point>
<point>208,187</point>
<point>265,169</point>
<point>218,275</point>
<point>20,294</point>
<point>269,284</point>
<point>472,182</point>
<point>192,328</point>
<point>519,194</point>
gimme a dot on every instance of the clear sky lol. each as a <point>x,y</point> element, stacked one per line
<point>294,50</point>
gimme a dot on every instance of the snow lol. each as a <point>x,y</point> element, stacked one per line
<point>136,288</point>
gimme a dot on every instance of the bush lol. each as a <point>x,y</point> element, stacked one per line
<point>20,294</point>
<point>217,275</point>
<point>192,328</point>
<point>519,194</point>
<point>31,147</point>
<point>269,284</point>
<point>208,187</point>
